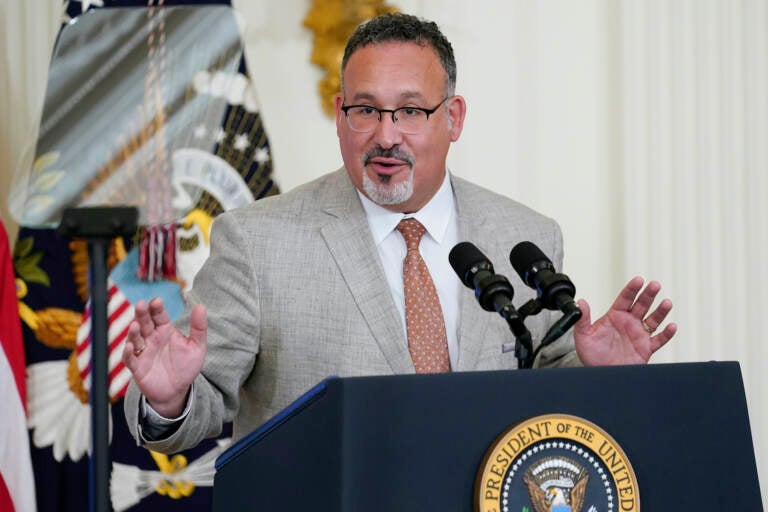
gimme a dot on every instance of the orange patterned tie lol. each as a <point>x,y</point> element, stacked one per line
<point>424,321</point>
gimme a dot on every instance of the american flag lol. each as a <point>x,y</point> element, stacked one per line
<point>17,489</point>
<point>120,314</point>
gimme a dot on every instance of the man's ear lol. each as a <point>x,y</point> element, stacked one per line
<point>457,109</point>
<point>338,101</point>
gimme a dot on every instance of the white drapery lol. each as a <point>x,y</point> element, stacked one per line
<point>694,106</point>
<point>27,33</point>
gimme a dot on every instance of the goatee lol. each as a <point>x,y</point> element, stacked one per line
<point>382,192</point>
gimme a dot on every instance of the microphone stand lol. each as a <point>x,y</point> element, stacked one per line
<point>99,225</point>
<point>523,349</point>
<point>571,315</point>
<point>523,342</point>
<point>492,294</point>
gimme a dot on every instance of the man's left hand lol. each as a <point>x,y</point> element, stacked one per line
<point>626,334</point>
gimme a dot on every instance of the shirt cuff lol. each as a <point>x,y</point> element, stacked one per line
<point>155,427</point>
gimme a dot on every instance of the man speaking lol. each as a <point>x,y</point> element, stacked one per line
<point>349,275</point>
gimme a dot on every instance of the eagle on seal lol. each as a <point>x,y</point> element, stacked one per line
<point>557,499</point>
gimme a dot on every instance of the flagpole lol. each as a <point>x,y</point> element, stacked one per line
<point>98,226</point>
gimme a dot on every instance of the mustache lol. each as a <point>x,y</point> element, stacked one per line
<point>393,152</point>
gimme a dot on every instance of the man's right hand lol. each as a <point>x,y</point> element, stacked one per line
<point>164,362</point>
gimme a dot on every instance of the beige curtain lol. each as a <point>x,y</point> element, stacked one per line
<point>694,104</point>
<point>27,33</point>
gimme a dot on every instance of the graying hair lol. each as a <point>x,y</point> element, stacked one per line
<point>403,28</point>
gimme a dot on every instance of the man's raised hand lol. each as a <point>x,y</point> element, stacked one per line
<point>164,362</point>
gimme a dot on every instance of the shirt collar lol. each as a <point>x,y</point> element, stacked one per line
<point>434,216</point>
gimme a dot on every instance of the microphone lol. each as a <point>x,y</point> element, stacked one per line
<point>556,291</point>
<point>492,291</point>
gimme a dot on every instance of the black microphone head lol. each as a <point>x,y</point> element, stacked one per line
<point>463,258</point>
<point>526,256</point>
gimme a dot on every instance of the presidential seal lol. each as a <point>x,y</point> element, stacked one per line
<point>556,463</point>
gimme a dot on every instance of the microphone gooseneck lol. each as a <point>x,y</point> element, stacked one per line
<point>555,290</point>
<point>492,291</point>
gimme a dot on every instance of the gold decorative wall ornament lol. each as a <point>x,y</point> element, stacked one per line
<point>333,21</point>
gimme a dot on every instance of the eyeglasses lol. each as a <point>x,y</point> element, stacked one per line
<point>409,120</point>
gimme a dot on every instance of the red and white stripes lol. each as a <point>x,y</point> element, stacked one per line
<point>120,314</point>
<point>17,486</point>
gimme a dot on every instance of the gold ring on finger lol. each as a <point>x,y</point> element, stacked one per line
<point>647,327</point>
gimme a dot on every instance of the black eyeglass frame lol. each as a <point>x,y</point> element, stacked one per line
<point>427,111</point>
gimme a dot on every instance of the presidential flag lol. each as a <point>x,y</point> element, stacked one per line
<point>148,104</point>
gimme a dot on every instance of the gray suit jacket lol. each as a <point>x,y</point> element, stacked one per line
<point>295,292</point>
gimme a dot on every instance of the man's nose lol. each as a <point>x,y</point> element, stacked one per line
<point>387,133</point>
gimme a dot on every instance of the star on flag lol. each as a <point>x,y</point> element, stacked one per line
<point>241,142</point>
<point>261,155</point>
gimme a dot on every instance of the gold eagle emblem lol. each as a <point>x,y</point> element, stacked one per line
<point>556,484</point>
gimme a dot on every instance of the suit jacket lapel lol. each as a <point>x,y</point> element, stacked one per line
<point>474,321</point>
<point>351,245</point>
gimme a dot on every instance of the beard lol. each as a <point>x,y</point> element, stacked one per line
<point>382,191</point>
